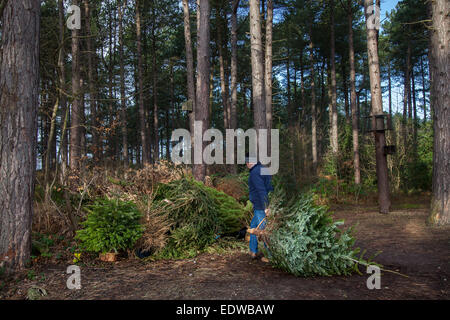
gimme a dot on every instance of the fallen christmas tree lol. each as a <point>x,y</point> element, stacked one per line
<point>303,239</point>
<point>198,215</point>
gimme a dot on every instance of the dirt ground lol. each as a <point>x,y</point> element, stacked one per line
<point>408,246</point>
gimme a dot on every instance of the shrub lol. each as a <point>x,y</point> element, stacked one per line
<point>111,225</point>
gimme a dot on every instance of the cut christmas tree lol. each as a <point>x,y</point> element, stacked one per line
<point>303,239</point>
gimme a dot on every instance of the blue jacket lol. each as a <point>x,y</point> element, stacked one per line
<point>259,187</point>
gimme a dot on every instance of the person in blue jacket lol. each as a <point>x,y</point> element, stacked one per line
<point>259,187</point>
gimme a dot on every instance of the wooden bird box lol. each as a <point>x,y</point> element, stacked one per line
<point>378,122</point>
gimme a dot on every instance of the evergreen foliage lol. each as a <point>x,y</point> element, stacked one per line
<point>111,225</point>
<point>199,214</point>
<point>304,240</point>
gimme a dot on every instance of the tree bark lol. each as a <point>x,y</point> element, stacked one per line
<point>257,62</point>
<point>50,142</point>
<point>389,88</point>
<point>170,107</point>
<point>302,88</point>
<point>345,90</point>
<point>353,105</point>
<point>189,67</point>
<point>406,98</point>
<point>290,105</point>
<point>334,114</point>
<point>75,119</point>
<point>203,81</point>
<point>377,108</point>
<point>234,64</point>
<point>19,94</point>
<point>440,51</point>
<point>96,145</point>
<point>221,25</point>
<point>408,80</point>
<point>62,92</point>
<point>424,97</point>
<point>268,69</point>
<point>413,93</point>
<point>313,103</point>
<point>123,102</point>
<point>112,127</point>
<point>155,92</point>
<point>142,118</point>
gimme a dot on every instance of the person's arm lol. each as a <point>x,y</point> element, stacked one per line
<point>269,188</point>
<point>269,185</point>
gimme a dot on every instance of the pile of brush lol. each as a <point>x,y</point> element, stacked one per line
<point>196,216</point>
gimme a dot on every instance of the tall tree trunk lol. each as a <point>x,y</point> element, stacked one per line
<point>123,102</point>
<point>171,107</point>
<point>62,91</point>
<point>424,97</point>
<point>313,103</point>
<point>82,114</point>
<point>268,69</point>
<point>334,114</point>
<point>377,108</point>
<point>203,81</point>
<point>111,113</point>
<point>234,63</point>
<point>75,120</point>
<point>345,89</point>
<point>96,145</point>
<point>413,93</point>
<point>440,93</point>
<point>406,102</point>
<point>353,105</point>
<point>142,118</point>
<point>19,94</point>
<point>257,62</point>
<point>190,68</point>
<point>389,88</point>
<point>302,88</point>
<point>408,80</point>
<point>330,104</point>
<point>290,105</point>
<point>155,92</point>
<point>49,146</point>
<point>221,25</point>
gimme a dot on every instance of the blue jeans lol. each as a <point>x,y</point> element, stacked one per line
<point>258,215</point>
